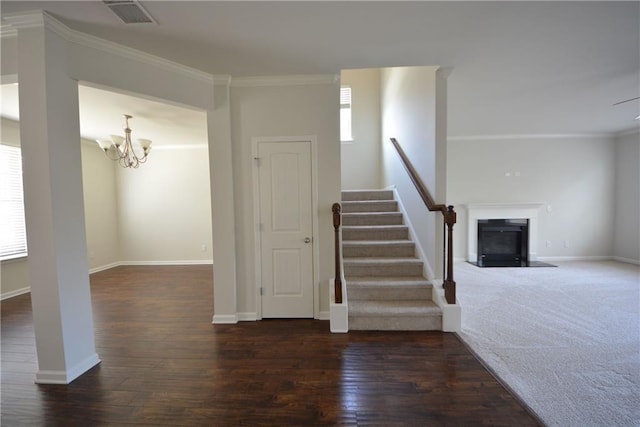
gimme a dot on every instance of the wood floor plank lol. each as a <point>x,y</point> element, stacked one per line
<point>165,364</point>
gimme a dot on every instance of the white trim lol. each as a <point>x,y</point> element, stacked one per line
<point>288,80</point>
<point>34,19</point>
<point>15,293</point>
<point>575,258</point>
<point>626,260</point>
<point>9,79</point>
<point>181,262</point>
<point>627,132</point>
<point>529,136</point>
<point>323,315</point>
<point>104,267</point>
<point>476,211</point>
<point>179,147</point>
<point>247,317</point>
<point>65,377</point>
<point>222,80</point>
<point>338,313</point>
<point>312,139</point>
<point>224,319</point>
<point>427,270</point>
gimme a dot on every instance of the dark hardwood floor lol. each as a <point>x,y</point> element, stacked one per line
<point>164,363</point>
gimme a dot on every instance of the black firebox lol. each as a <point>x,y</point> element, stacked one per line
<point>503,243</point>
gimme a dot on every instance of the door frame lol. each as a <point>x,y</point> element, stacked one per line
<point>312,140</point>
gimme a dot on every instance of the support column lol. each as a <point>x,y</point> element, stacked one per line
<point>222,207</point>
<point>54,210</point>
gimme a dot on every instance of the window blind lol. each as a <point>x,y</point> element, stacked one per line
<point>345,114</point>
<point>13,236</point>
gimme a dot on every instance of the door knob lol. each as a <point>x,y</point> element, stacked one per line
<point>307,239</point>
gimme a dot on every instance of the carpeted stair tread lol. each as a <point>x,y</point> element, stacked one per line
<point>389,288</point>
<point>370,206</point>
<point>386,286</point>
<point>375,232</point>
<point>393,308</point>
<point>378,243</point>
<point>381,261</point>
<point>372,218</point>
<point>354,195</point>
<point>388,281</point>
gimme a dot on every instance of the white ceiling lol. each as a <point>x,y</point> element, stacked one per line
<point>518,67</point>
<point>101,115</point>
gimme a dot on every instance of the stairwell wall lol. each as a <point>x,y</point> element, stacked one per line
<point>361,156</point>
<point>413,112</point>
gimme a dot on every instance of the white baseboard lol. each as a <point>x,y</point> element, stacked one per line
<point>15,293</point>
<point>225,319</point>
<point>626,260</point>
<point>65,377</point>
<point>428,271</point>
<point>104,267</point>
<point>181,262</point>
<point>247,317</point>
<point>323,315</point>
<point>574,258</point>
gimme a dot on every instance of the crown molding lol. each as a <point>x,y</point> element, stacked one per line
<point>39,18</point>
<point>222,80</point>
<point>7,31</point>
<point>528,136</point>
<point>628,132</point>
<point>289,80</point>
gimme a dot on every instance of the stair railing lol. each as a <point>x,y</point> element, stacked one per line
<point>336,209</point>
<point>449,217</point>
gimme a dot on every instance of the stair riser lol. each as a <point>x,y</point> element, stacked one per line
<point>402,270</point>
<point>375,234</point>
<point>394,219</point>
<point>388,293</point>
<point>390,206</point>
<point>367,195</point>
<point>405,251</point>
<point>422,323</point>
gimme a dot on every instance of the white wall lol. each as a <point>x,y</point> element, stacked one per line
<point>100,206</point>
<point>409,113</point>
<point>361,163</point>
<point>164,208</point>
<point>626,242</point>
<point>575,176</point>
<point>98,175</point>
<point>158,213</point>
<point>280,111</point>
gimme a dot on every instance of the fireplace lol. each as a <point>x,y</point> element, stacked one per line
<point>516,210</point>
<point>503,243</point>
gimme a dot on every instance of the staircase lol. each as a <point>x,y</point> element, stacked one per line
<point>386,287</point>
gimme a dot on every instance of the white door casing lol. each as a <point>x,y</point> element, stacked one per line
<point>284,201</point>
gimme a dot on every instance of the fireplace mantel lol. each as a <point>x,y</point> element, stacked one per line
<point>526,210</point>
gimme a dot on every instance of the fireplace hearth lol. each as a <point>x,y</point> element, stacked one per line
<point>503,243</point>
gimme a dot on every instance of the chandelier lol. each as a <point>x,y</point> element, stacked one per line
<point>121,149</point>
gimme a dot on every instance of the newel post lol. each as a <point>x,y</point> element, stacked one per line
<point>336,228</point>
<point>449,283</point>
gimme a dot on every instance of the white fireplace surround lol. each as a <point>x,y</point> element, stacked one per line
<point>516,210</point>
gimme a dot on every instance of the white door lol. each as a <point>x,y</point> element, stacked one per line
<point>286,224</point>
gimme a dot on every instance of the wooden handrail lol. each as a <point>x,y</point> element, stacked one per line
<point>422,189</point>
<point>449,216</point>
<point>336,209</point>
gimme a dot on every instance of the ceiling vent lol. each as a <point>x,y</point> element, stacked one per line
<point>129,11</point>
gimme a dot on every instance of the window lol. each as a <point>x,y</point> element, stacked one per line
<point>345,114</point>
<point>13,237</point>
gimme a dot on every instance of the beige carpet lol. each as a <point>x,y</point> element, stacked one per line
<point>566,340</point>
